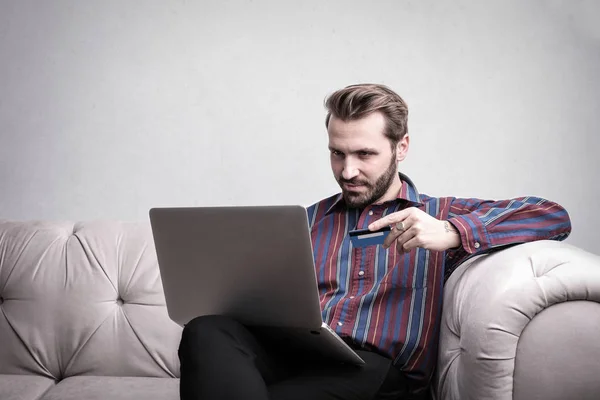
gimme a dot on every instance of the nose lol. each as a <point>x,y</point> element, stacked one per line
<point>350,170</point>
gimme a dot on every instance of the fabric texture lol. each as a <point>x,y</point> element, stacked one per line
<point>388,301</point>
<point>23,387</point>
<point>114,388</point>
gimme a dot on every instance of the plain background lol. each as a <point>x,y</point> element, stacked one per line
<point>109,108</point>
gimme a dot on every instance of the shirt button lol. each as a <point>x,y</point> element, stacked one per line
<point>370,212</point>
<point>340,324</point>
<point>476,245</point>
<point>351,297</point>
<point>361,273</point>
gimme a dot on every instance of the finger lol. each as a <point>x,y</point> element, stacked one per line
<point>399,237</point>
<point>409,245</point>
<point>398,228</point>
<point>392,237</point>
<point>388,220</point>
<point>391,219</point>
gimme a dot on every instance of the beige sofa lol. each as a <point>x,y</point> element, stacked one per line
<point>83,317</point>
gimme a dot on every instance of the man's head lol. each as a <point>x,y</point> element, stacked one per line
<point>367,128</point>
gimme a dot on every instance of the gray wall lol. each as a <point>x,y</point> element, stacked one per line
<point>108,108</point>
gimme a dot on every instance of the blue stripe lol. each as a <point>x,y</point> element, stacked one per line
<point>316,246</point>
<point>388,309</point>
<point>415,326</point>
<point>533,222</point>
<point>474,227</point>
<point>361,283</point>
<point>405,294</point>
<point>526,234</point>
<point>363,318</point>
<point>344,268</point>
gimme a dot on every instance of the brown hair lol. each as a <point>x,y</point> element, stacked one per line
<point>357,101</point>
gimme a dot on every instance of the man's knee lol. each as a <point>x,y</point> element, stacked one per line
<point>206,327</point>
<point>204,335</point>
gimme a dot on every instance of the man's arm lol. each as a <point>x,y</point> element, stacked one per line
<point>484,224</point>
<point>476,226</point>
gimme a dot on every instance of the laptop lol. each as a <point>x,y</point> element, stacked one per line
<point>252,263</point>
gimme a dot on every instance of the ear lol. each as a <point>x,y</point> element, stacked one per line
<point>402,148</point>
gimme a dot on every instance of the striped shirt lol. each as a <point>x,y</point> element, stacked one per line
<point>390,302</point>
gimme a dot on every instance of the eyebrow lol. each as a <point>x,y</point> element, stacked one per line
<point>365,149</point>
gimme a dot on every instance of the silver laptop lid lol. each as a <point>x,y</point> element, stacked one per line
<point>253,263</point>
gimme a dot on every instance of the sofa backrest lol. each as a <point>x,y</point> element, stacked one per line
<point>83,299</point>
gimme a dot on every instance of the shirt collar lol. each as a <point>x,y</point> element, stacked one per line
<point>408,193</point>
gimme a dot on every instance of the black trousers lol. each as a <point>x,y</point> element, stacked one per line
<point>222,359</point>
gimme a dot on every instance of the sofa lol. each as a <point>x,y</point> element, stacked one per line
<point>83,316</point>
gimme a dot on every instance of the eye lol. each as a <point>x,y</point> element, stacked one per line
<point>336,153</point>
<point>364,154</point>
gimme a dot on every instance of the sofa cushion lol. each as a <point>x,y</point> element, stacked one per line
<point>560,341</point>
<point>114,388</point>
<point>83,299</point>
<point>23,387</point>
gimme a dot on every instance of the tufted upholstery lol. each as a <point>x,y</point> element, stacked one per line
<point>83,316</point>
<point>522,324</point>
<point>82,299</point>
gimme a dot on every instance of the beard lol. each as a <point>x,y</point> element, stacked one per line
<point>373,191</point>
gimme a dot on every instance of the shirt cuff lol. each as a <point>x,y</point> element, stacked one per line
<point>473,234</point>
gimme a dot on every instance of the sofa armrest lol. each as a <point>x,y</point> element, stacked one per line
<point>490,300</point>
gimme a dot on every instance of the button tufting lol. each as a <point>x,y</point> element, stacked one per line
<point>1,299</point>
<point>120,301</point>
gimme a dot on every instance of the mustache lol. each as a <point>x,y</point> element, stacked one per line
<point>352,181</point>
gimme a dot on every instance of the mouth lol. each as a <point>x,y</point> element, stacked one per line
<point>352,186</point>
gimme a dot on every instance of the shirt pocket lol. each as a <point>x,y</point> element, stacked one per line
<point>402,277</point>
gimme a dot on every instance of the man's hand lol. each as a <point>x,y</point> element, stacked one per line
<point>413,228</point>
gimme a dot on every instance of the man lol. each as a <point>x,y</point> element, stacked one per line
<point>384,300</point>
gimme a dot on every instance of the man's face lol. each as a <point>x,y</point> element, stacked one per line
<point>362,159</point>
